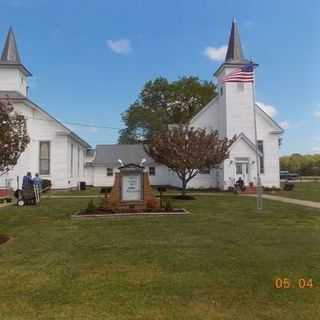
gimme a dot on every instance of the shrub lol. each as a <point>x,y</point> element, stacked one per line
<point>168,206</point>
<point>288,186</point>
<point>184,197</point>
<point>105,189</point>
<point>91,206</point>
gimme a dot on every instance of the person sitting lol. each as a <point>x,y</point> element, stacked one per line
<point>240,183</point>
<point>27,181</point>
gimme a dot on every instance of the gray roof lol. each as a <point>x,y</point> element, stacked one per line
<point>234,52</point>
<point>108,154</point>
<point>10,55</point>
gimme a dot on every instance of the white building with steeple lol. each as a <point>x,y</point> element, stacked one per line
<point>232,112</point>
<point>55,152</point>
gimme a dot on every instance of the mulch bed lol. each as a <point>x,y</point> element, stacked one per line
<point>4,238</point>
<point>107,213</point>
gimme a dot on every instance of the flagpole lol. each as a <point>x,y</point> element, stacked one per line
<point>259,187</point>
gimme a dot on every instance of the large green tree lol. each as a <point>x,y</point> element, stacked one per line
<point>305,165</point>
<point>161,103</point>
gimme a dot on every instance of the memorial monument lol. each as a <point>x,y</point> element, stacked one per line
<point>131,191</point>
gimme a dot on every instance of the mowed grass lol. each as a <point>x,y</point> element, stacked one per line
<point>220,262</point>
<point>303,191</point>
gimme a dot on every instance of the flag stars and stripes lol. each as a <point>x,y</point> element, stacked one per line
<point>243,74</point>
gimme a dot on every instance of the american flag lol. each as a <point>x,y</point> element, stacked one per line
<point>243,74</point>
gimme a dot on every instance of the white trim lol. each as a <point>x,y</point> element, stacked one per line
<point>270,120</point>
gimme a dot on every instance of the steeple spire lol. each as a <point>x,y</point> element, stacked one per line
<point>234,52</point>
<point>10,51</point>
<point>10,57</point>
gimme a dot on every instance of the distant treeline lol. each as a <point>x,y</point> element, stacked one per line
<point>305,165</point>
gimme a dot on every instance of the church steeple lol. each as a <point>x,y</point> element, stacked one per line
<point>10,57</point>
<point>234,52</point>
<point>10,51</point>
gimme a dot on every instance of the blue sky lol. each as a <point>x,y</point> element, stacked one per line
<point>90,59</point>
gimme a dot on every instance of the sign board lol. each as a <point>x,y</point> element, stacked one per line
<point>131,187</point>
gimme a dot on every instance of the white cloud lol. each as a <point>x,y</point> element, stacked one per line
<point>317,114</point>
<point>268,109</point>
<point>284,124</point>
<point>121,46</point>
<point>216,53</point>
<point>316,149</point>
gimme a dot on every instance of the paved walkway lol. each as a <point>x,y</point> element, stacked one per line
<point>3,205</point>
<point>305,203</point>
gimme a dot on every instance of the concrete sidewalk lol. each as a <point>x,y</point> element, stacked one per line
<point>5,204</point>
<point>305,203</point>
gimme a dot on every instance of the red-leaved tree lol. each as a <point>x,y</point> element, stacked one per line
<point>13,136</point>
<point>186,151</point>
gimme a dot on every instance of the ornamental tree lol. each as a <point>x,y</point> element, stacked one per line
<point>13,136</point>
<point>186,151</point>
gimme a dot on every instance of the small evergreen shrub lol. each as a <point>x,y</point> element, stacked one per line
<point>91,206</point>
<point>288,186</point>
<point>168,205</point>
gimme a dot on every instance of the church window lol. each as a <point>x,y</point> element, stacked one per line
<point>238,168</point>
<point>78,166</point>
<point>261,159</point>
<point>71,161</point>
<point>44,157</point>
<point>221,91</point>
<point>204,171</point>
<point>109,172</point>
<point>152,171</point>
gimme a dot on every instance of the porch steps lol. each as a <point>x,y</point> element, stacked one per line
<point>249,190</point>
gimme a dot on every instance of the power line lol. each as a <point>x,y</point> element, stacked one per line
<point>77,124</point>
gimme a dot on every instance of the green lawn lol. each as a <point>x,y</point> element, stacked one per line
<point>88,192</point>
<point>304,191</point>
<point>217,263</point>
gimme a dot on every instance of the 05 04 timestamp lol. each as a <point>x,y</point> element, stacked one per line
<point>286,283</point>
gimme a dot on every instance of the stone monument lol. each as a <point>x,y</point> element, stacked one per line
<point>131,190</point>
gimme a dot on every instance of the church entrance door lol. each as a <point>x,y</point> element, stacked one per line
<point>242,170</point>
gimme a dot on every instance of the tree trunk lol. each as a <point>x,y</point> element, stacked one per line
<point>184,186</point>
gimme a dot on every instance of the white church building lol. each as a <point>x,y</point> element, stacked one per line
<point>54,151</point>
<point>59,155</point>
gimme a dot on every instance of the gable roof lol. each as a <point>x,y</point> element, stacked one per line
<point>109,154</point>
<point>277,127</point>
<point>17,96</point>
<point>244,138</point>
<point>204,109</point>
